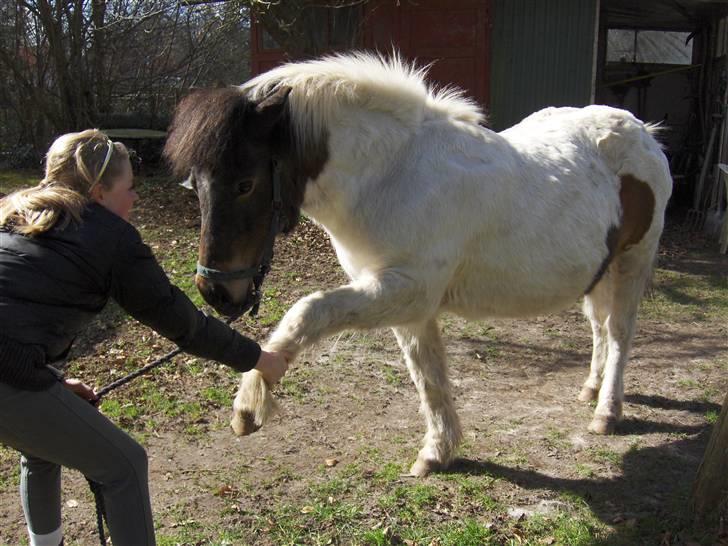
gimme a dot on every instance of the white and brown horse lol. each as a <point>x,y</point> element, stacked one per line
<point>428,212</point>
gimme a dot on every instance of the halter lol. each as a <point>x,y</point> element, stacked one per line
<point>259,272</point>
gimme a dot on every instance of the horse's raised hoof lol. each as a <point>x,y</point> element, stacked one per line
<point>423,467</point>
<point>588,394</point>
<point>603,425</point>
<point>243,423</point>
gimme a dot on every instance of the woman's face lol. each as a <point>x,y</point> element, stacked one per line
<point>120,198</point>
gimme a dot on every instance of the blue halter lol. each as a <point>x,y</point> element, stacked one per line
<point>259,272</point>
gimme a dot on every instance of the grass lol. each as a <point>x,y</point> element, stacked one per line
<point>711,417</point>
<point>683,296</point>
<point>393,376</point>
<point>606,455</point>
<point>15,180</point>
<point>10,463</point>
<point>420,514</point>
<point>556,439</point>
<point>272,307</point>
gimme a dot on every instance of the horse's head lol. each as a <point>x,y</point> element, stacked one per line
<point>229,146</point>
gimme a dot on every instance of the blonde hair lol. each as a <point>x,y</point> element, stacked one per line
<point>75,163</point>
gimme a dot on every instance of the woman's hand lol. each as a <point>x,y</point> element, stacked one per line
<point>272,366</point>
<point>81,389</point>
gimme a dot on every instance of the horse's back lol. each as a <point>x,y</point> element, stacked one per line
<point>625,144</point>
<point>579,173</point>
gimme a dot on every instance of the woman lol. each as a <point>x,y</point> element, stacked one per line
<point>65,248</point>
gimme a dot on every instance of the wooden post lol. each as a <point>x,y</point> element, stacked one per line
<point>710,492</point>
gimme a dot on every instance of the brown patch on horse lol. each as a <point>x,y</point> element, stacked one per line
<point>638,208</point>
<point>299,166</point>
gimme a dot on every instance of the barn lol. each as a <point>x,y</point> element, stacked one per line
<point>664,60</point>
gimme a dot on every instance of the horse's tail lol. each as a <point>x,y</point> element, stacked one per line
<point>630,146</point>
<point>656,130</point>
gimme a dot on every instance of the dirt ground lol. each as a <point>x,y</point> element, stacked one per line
<point>349,403</point>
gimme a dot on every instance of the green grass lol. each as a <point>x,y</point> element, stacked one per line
<point>683,296</point>
<point>556,439</point>
<point>711,416</point>
<point>584,471</point>
<point>393,376</point>
<point>390,472</point>
<point>218,396</point>
<point>419,514</point>
<point>606,455</point>
<point>272,307</point>
<point>687,384</point>
<point>10,463</point>
<point>16,180</point>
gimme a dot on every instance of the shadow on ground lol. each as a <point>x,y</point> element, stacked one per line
<point>647,504</point>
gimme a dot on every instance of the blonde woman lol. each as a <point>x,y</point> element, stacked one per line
<point>66,247</point>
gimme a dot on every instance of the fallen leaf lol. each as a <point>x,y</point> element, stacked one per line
<point>226,491</point>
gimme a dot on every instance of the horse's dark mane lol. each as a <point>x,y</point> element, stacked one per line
<point>209,130</point>
<point>204,129</point>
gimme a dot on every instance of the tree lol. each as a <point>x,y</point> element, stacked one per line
<point>70,64</point>
<point>298,26</point>
<point>710,493</point>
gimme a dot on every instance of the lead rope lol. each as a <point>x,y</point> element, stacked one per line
<point>95,486</point>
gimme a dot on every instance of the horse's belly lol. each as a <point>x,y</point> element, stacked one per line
<point>485,293</point>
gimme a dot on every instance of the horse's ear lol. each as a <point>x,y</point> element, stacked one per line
<point>271,108</point>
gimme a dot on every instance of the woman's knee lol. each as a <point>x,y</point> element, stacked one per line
<point>34,465</point>
<point>137,457</point>
<point>128,463</point>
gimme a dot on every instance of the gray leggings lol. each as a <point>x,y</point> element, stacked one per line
<point>55,428</point>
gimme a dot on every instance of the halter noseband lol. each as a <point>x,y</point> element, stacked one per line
<point>257,273</point>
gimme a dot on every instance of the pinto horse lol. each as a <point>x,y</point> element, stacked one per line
<point>428,211</point>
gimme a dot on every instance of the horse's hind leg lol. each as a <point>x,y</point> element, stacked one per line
<point>629,274</point>
<point>425,356</point>
<point>596,308</point>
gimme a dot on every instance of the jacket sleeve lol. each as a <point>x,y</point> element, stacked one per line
<point>142,289</point>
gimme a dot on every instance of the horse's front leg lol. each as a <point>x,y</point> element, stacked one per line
<point>425,355</point>
<point>385,300</point>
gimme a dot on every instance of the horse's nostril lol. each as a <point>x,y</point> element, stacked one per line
<point>214,294</point>
<point>219,295</point>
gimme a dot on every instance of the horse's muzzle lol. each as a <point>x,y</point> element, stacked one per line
<point>220,298</point>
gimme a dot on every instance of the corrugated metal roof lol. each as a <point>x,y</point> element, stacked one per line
<point>662,14</point>
<point>542,55</point>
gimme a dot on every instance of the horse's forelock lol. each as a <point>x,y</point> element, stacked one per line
<point>203,128</point>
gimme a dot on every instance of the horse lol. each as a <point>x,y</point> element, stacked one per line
<point>428,211</point>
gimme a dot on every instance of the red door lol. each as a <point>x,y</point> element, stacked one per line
<point>454,36</point>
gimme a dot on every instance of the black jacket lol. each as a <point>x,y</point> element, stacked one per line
<point>53,284</point>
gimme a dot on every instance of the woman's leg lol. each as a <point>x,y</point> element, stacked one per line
<point>57,426</point>
<point>40,494</point>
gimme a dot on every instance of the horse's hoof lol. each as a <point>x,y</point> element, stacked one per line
<point>603,425</point>
<point>243,423</point>
<point>588,394</point>
<point>423,467</point>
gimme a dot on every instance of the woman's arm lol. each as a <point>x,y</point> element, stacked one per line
<point>141,287</point>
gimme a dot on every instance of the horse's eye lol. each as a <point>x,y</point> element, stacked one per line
<point>245,187</point>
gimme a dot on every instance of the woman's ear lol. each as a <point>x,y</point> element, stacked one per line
<point>97,193</point>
